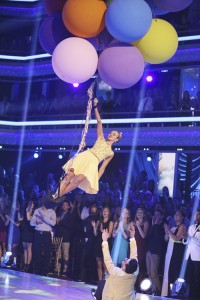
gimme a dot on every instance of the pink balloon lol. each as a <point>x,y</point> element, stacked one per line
<point>172,5</point>
<point>74,60</point>
<point>121,65</point>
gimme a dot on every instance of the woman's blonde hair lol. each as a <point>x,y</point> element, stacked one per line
<point>119,136</point>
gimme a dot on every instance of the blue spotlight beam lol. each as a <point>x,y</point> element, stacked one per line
<point>129,174</point>
<point>21,144</point>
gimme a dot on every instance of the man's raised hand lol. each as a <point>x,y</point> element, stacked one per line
<point>132,230</point>
<point>105,235</point>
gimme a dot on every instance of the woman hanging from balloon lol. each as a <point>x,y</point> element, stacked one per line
<point>82,170</point>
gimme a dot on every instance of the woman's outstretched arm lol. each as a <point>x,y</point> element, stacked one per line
<point>98,118</point>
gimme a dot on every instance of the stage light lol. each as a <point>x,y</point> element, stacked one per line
<point>8,261</point>
<point>149,157</point>
<point>146,287</point>
<point>180,289</point>
<point>35,155</point>
<point>75,85</point>
<point>60,156</point>
<point>149,78</point>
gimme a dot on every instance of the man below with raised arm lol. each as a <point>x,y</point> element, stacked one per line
<point>120,283</point>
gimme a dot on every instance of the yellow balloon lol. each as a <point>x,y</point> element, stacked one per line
<point>159,44</point>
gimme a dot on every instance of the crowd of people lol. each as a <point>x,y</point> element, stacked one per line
<point>162,227</point>
<point>113,103</point>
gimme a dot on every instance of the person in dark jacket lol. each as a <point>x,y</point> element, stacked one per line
<point>63,230</point>
<point>155,248</point>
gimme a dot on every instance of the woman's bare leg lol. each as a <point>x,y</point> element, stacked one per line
<point>67,186</point>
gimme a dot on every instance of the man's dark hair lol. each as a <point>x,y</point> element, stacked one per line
<point>131,267</point>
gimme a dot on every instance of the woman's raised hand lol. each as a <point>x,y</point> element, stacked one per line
<point>90,93</point>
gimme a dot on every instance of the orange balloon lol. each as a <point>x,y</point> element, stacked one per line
<point>84,18</point>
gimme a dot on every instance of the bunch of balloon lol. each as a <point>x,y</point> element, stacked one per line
<point>115,37</point>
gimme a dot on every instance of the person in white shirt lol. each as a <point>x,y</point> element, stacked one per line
<point>43,219</point>
<point>193,252</point>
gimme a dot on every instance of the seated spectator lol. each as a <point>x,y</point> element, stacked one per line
<point>158,99</point>
<point>173,103</point>
<point>146,103</point>
<point>185,103</point>
<point>108,103</point>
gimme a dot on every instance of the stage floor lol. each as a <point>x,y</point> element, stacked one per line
<point>15,285</point>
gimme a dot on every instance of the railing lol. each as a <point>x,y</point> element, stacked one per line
<point>131,119</point>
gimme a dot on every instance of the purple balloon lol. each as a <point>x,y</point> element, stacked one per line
<point>156,10</point>
<point>121,65</point>
<point>52,31</point>
<point>172,5</point>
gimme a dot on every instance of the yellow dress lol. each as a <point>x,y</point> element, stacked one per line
<point>86,163</point>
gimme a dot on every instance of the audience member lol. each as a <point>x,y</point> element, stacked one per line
<point>105,223</point>
<point>146,103</point>
<point>141,229</point>
<point>63,230</point>
<point>27,235</point>
<point>43,220</point>
<point>155,248</point>
<point>193,252</point>
<point>185,103</point>
<point>121,236</point>
<point>15,219</point>
<point>120,283</point>
<point>175,252</point>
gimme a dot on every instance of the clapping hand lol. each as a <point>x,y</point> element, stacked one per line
<point>105,235</point>
<point>93,224</point>
<point>132,230</point>
<point>137,223</point>
<point>166,227</point>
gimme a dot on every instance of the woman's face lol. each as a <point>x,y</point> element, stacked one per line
<point>140,213</point>
<point>125,214</point>
<point>113,136</point>
<point>178,216</point>
<point>106,212</point>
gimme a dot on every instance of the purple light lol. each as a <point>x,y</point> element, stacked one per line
<point>75,85</point>
<point>149,78</point>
